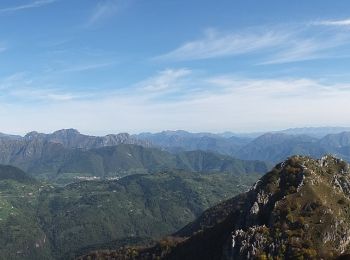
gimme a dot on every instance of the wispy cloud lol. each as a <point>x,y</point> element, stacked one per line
<point>274,45</point>
<point>21,86</point>
<point>300,48</point>
<point>14,80</point>
<point>345,22</point>
<point>283,88</point>
<point>165,80</point>
<point>216,44</point>
<point>103,10</point>
<point>46,95</point>
<point>34,4</point>
<point>86,67</point>
<point>2,48</point>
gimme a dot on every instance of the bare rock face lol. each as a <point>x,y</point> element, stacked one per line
<point>250,242</point>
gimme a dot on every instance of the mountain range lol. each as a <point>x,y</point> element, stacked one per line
<point>276,147</point>
<point>270,147</point>
<point>72,138</point>
<point>60,160</point>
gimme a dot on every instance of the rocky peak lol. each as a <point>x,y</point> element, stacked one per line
<point>297,210</point>
<point>66,132</point>
<point>34,135</point>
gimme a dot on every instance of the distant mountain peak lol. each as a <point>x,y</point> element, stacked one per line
<point>175,132</point>
<point>69,131</point>
<point>33,135</point>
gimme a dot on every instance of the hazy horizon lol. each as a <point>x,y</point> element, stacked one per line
<point>133,66</point>
<point>103,133</point>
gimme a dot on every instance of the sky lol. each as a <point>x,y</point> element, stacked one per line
<point>109,66</point>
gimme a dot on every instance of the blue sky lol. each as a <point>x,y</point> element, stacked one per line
<point>108,66</point>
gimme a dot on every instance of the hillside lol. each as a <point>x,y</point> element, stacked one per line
<point>40,221</point>
<point>8,173</point>
<point>299,210</point>
<point>132,210</point>
<point>200,161</point>
<point>20,233</point>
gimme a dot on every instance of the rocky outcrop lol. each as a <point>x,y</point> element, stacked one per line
<point>297,211</point>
